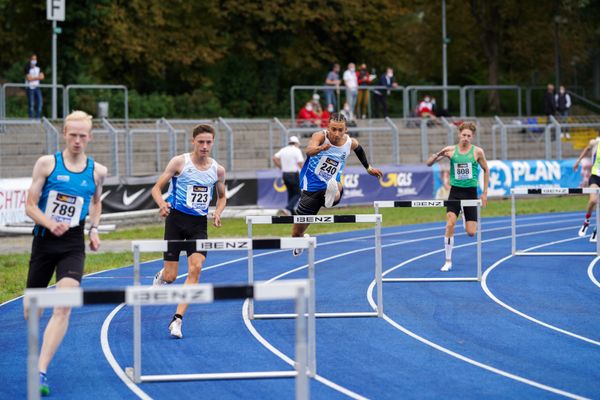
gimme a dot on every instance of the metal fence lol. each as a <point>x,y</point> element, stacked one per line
<point>249,144</point>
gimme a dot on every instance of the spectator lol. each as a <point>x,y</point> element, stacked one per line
<point>326,114</point>
<point>348,115</point>
<point>316,104</point>
<point>425,108</point>
<point>33,76</point>
<point>363,78</point>
<point>333,79</point>
<point>290,160</point>
<point>307,118</point>
<point>381,95</point>
<point>351,84</point>
<point>563,102</point>
<point>549,102</point>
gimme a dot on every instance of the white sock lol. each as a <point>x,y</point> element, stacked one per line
<point>448,244</point>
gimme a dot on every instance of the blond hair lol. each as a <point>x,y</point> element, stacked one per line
<point>78,116</point>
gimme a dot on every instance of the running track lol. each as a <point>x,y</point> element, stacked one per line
<point>530,329</point>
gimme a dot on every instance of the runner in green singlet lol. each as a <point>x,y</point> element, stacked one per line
<point>465,160</point>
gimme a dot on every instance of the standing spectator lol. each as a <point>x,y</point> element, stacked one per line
<point>381,95</point>
<point>290,160</point>
<point>307,116</point>
<point>325,115</point>
<point>333,79</point>
<point>363,78</point>
<point>563,102</point>
<point>351,84</point>
<point>549,102</point>
<point>33,76</point>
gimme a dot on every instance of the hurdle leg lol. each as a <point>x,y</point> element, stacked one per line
<point>479,243</point>
<point>312,334</point>
<point>513,223</point>
<point>301,347</point>
<point>250,272</point>
<point>378,267</point>
<point>33,337</point>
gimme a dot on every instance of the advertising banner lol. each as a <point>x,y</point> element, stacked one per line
<point>13,197</point>
<point>399,182</point>
<point>505,175</point>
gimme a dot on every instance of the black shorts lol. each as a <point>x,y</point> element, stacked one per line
<point>460,193</point>
<point>594,179</point>
<point>182,226</point>
<point>311,202</point>
<point>66,254</point>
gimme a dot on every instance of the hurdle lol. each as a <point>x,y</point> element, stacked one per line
<point>137,296</point>
<point>522,191</point>
<point>319,219</point>
<point>436,204</point>
<point>139,246</point>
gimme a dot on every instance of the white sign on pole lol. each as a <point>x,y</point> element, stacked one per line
<point>55,10</point>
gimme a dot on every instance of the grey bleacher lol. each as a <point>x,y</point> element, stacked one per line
<point>255,141</point>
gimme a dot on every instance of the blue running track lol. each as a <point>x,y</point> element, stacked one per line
<point>529,329</point>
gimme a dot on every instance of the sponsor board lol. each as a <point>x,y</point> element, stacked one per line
<point>427,203</point>
<point>169,295</point>
<point>223,244</point>
<point>313,219</point>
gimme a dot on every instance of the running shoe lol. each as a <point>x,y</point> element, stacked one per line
<point>332,188</point>
<point>158,279</point>
<point>593,238</point>
<point>44,386</point>
<point>447,266</point>
<point>584,228</point>
<point>297,252</point>
<point>175,327</point>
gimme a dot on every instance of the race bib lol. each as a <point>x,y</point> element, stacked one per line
<point>197,197</point>
<point>63,207</point>
<point>463,171</point>
<point>327,168</point>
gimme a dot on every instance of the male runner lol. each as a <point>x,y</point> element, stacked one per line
<point>65,187</point>
<point>192,177</point>
<point>594,182</point>
<point>464,174</point>
<point>326,154</point>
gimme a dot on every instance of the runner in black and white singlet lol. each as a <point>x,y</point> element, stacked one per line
<point>594,182</point>
<point>326,153</point>
<point>65,188</point>
<point>193,178</point>
<point>465,159</point>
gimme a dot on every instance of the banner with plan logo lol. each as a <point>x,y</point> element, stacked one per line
<point>505,175</point>
<point>399,182</point>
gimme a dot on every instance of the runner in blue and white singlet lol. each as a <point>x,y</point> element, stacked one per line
<point>191,191</point>
<point>327,152</point>
<point>325,165</point>
<point>193,178</point>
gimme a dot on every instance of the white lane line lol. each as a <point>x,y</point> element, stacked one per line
<point>489,293</point>
<point>457,355</point>
<point>288,360</point>
<point>111,359</point>
<point>590,271</point>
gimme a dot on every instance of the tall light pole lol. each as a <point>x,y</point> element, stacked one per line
<point>55,11</point>
<point>445,41</point>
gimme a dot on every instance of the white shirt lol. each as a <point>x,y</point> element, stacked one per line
<point>290,156</point>
<point>350,79</point>
<point>34,72</point>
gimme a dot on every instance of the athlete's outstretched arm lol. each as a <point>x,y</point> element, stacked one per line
<point>362,156</point>
<point>173,168</point>
<point>95,212</point>
<point>486,176</point>
<point>584,152</point>
<point>222,196</point>
<point>316,145</point>
<point>435,157</point>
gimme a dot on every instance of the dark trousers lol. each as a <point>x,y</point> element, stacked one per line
<point>34,98</point>
<point>292,184</point>
<point>381,103</point>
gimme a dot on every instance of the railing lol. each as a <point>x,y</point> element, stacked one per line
<point>66,104</point>
<point>470,91</point>
<point>18,85</point>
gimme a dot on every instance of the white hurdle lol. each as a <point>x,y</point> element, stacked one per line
<point>238,244</point>
<point>436,204</point>
<point>523,191</point>
<point>320,219</point>
<point>172,294</point>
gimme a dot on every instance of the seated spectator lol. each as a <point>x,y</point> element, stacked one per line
<point>325,115</point>
<point>425,108</point>
<point>349,115</point>
<point>316,104</point>
<point>307,118</point>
